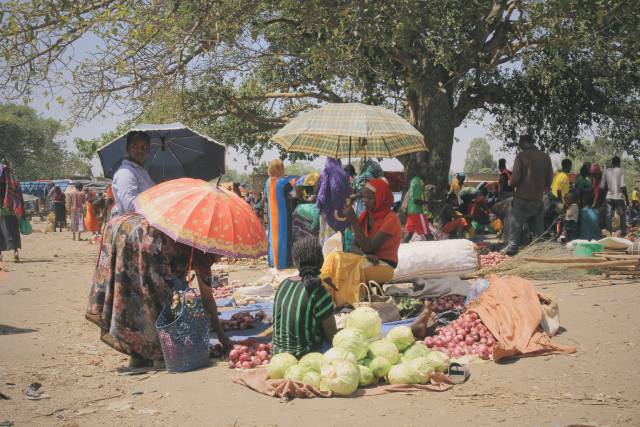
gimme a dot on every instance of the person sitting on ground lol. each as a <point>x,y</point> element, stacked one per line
<point>634,213</point>
<point>377,231</point>
<point>505,189</point>
<point>561,185</point>
<point>571,217</point>
<point>589,220</point>
<point>453,222</point>
<point>303,320</point>
<point>457,183</point>
<point>480,212</point>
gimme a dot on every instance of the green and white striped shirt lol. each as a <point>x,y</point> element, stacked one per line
<point>297,315</point>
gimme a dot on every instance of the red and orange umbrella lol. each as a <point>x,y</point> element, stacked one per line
<point>202,215</point>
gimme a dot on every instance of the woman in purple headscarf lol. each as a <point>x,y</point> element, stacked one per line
<point>332,195</point>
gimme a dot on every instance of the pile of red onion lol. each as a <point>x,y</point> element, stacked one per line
<point>242,320</point>
<point>249,356</point>
<point>492,259</point>
<point>465,336</point>
<point>450,302</point>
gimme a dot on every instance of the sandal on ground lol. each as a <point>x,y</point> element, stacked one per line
<point>458,373</point>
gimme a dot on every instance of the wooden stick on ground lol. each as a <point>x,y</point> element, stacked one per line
<point>570,260</point>
<point>606,264</point>
<point>616,256</point>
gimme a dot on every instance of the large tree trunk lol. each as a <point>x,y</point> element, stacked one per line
<point>432,114</point>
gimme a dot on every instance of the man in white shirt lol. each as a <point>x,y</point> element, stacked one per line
<point>131,178</point>
<point>617,198</point>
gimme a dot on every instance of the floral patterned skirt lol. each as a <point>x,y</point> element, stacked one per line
<point>137,269</point>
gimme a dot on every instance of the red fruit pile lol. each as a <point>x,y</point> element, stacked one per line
<point>242,320</point>
<point>492,259</point>
<point>465,336</point>
<point>249,356</point>
<point>450,302</point>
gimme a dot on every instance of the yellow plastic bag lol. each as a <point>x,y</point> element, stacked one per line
<point>346,271</point>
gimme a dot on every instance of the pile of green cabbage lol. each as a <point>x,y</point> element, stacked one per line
<point>359,359</point>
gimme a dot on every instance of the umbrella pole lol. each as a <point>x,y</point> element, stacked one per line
<point>349,150</point>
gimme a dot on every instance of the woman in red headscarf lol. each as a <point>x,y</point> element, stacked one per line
<point>377,232</point>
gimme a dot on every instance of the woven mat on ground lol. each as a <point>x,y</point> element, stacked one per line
<point>256,380</point>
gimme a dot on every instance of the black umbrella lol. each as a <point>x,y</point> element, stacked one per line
<point>176,152</point>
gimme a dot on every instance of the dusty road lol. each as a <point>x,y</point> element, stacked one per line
<point>44,338</point>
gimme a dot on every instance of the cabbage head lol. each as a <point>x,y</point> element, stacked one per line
<point>366,376</point>
<point>366,320</point>
<point>402,374</point>
<point>385,349</point>
<point>418,349</point>
<point>365,361</point>
<point>380,366</point>
<point>401,336</point>
<point>337,354</point>
<point>312,361</point>
<point>312,378</point>
<point>340,377</point>
<point>422,369</point>
<point>295,372</point>
<point>439,361</point>
<point>353,341</point>
<point>279,364</point>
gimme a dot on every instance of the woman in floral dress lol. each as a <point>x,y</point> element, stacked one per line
<point>138,267</point>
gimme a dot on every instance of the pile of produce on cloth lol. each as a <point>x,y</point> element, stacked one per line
<point>242,320</point>
<point>408,307</point>
<point>492,259</point>
<point>227,290</point>
<point>446,303</point>
<point>360,358</point>
<point>249,355</point>
<point>466,335</point>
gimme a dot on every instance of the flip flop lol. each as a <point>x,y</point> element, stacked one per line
<point>458,374</point>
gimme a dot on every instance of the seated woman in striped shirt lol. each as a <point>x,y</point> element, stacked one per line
<point>303,309</point>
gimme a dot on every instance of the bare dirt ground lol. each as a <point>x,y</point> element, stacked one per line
<point>45,338</point>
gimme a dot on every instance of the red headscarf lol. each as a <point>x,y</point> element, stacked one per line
<point>384,200</point>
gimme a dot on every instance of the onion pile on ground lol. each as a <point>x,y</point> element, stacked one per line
<point>250,355</point>
<point>242,320</point>
<point>492,259</point>
<point>449,302</point>
<point>465,336</point>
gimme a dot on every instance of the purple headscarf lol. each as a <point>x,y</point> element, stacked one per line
<point>333,193</point>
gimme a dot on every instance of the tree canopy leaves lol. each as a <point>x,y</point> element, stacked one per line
<point>479,156</point>
<point>30,144</point>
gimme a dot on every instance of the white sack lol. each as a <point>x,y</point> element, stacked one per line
<point>423,260</point>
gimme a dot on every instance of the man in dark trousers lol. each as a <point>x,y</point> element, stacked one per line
<point>532,176</point>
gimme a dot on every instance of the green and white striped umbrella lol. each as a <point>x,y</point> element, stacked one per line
<point>350,130</point>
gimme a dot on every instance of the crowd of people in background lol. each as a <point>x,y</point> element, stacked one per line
<point>526,201</point>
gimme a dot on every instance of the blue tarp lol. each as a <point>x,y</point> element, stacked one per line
<point>253,333</point>
<point>268,309</point>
